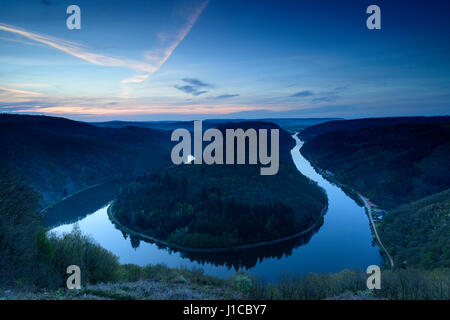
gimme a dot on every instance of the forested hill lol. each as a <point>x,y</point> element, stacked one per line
<point>58,156</point>
<point>391,165</point>
<point>286,142</point>
<point>418,234</point>
<point>211,206</point>
<point>356,124</point>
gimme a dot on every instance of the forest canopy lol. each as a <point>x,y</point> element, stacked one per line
<point>219,206</point>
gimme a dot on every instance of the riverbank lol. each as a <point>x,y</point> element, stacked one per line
<point>369,207</point>
<point>360,200</point>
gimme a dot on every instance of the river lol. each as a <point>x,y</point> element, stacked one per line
<point>343,241</point>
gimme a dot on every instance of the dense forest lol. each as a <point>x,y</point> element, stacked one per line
<point>418,234</point>
<point>58,156</point>
<point>219,206</point>
<point>402,168</point>
<point>391,165</point>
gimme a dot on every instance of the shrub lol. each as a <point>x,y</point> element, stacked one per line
<point>96,263</point>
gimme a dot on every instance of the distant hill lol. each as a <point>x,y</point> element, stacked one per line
<point>298,124</point>
<point>418,234</point>
<point>292,125</point>
<point>340,125</point>
<point>159,125</point>
<point>59,156</point>
<point>391,165</point>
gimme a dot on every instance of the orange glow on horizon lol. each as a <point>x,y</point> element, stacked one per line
<point>142,110</point>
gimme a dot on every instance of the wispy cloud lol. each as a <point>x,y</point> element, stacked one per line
<point>196,82</point>
<point>194,86</point>
<point>226,96</point>
<point>303,94</point>
<point>191,90</point>
<point>9,95</point>
<point>79,51</point>
<point>178,38</point>
<point>325,99</point>
<point>145,68</point>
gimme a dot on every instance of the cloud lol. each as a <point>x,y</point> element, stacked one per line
<point>329,96</point>
<point>22,92</point>
<point>194,86</point>
<point>303,94</point>
<point>79,51</point>
<point>191,90</point>
<point>9,95</point>
<point>136,79</point>
<point>324,99</point>
<point>196,82</point>
<point>178,38</point>
<point>226,96</point>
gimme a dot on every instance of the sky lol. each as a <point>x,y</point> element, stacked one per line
<point>197,59</point>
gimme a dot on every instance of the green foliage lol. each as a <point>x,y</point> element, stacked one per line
<point>242,282</point>
<point>96,263</point>
<point>45,250</point>
<point>347,284</point>
<point>19,223</point>
<point>418,234</point>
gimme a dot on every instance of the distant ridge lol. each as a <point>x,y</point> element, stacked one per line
<point>290,124</point>
<point>338,125</point>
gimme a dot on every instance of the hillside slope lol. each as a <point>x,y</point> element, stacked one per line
<point>418,233</point>
<point>391,165</point>
<point>59,156</point>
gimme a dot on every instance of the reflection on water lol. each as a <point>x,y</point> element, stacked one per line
<point>83,203</point>
<point>343,239</point>
<point>238,259</point>
<point>251,257</point>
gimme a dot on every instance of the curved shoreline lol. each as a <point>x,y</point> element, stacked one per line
<point>213,250</point>
<point>366,206</point>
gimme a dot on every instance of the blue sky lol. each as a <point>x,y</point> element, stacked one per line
<point>158,60</point>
